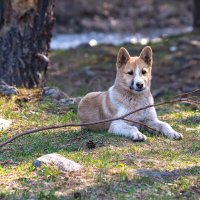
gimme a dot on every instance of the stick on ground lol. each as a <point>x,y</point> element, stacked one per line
<point>191,101</point>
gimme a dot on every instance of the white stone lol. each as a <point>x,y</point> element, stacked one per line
<point>4,124</point>
<point>59,161</point>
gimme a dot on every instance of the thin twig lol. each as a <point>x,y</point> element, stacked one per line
<point>140,123</point>
<point>5,162</point>
<point>190,101</point>
<point>197,91</point>
<point>96,122</point>
<point>193,97</point>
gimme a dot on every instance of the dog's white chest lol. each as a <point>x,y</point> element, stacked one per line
<point>135,116</point>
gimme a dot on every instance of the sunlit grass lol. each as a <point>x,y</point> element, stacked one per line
<point>108,168</point>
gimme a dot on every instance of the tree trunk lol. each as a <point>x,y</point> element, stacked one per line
<point>196,14</point>
<point>25,33</point>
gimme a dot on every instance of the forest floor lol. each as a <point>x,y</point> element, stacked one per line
<point>116,168</point>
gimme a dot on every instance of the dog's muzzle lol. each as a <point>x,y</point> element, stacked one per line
<point>139,86</point>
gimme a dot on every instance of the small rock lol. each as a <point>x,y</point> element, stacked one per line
<point>58,161</point>
<point>8,90</point>
<point>37,163</point>
<point>4,124</point>
<point>54,93</point>
<point>69,101</point>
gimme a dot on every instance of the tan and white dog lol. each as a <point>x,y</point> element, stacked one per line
<point>130,91</point>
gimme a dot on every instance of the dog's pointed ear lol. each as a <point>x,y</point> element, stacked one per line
<point>122,57</point>
<point>146,55</point>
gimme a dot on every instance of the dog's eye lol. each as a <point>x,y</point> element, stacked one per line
<point>130,73</point>
<point>144,71</point>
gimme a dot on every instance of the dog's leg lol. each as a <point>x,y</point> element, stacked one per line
<point>164,128</point>
<point>120,127</point>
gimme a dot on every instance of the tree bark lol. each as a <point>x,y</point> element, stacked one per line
<point>196,14</point>
<point>25,33</point>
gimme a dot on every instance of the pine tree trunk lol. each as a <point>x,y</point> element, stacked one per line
<point>196,14</point>
<point>25,33</point>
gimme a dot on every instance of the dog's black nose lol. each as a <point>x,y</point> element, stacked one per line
<point>139,85</point>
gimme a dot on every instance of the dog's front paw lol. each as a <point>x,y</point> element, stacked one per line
<point>175,135</point>
<point>138,136</point>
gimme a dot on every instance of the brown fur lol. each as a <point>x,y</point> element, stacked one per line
<point>130,91</point>
<point>92,106</point>
<point>89,111</point>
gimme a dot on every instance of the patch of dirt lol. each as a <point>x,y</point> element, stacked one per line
<point>175,66</point>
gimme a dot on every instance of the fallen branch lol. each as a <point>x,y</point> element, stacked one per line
<point>140,123</point>
<point>98,122</point>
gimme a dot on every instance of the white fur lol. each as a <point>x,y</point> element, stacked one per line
<point>122,102</point>
<point>120,127</point>
<point>111,96</point>
<point>137,77</point>
<point>148,116</point>
<point>164,128</point>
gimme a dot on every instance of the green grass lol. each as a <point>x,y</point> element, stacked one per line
<point>108,168</point>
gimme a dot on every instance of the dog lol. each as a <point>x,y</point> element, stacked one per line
<point>131,91</point>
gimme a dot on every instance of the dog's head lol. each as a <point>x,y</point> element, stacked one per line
<point>134,73</point>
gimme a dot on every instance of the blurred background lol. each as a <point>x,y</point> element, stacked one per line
<point>88,34</point>
<point>122,16</point>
